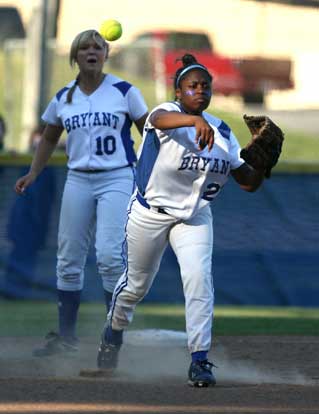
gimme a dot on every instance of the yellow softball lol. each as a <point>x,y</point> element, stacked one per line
<point>111,30</point>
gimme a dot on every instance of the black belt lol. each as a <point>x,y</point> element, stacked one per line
<point>145,204</point>
<point>88,171</point>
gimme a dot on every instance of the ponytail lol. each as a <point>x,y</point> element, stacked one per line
<point>71,90</point>
<point>189,63</point>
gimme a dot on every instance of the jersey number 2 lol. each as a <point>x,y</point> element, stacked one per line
<point>106,145</point>
<point>213,189</point>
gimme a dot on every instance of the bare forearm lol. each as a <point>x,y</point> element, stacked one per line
<point>42,155</point>
<point>45,148</point>
<point>204,135</point>
<point>47,144</point>
<point>170,120</point>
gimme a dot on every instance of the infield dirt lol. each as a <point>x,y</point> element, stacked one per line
<point>255,374</point>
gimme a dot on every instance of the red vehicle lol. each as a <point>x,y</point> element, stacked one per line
<point>156,53</point>
<point>227,78</point>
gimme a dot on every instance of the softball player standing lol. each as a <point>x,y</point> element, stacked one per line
<point>97,111</point>
<point>185,160</point>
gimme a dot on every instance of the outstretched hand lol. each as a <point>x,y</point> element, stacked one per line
<point>204,134</point>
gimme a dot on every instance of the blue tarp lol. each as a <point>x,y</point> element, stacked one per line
<point>265,249</point>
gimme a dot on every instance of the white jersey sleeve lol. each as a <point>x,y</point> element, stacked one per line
<point>136,104</point>
<point>167,106</point>
<point>50,115</point>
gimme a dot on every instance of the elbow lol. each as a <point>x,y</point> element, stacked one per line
<point>250,188</point>
<point>50,142</point>
<point>154,120</point>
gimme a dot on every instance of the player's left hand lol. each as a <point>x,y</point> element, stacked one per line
<point>204,134</point>
<point>264,148</point>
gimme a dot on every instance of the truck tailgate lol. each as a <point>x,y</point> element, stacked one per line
<point>267,73</point>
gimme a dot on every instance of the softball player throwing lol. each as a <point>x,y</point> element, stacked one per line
<point>185,160</point>
<point>97,111</point>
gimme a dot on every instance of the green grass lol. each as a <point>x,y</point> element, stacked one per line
<point>297,146</point>
<point>28,318</point>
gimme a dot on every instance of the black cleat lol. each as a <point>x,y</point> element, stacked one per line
<point>107,357</point>
<point>200,374</point>
<point>56,345</point>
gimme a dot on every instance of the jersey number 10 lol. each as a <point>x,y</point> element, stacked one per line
<point>105,145</point>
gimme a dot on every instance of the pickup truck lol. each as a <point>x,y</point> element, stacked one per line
<point>251,78</point>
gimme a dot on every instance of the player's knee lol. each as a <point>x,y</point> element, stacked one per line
<point>112,267</point>
<point>67,281</point>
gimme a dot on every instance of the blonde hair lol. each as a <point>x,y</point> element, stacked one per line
<point>77,43</point>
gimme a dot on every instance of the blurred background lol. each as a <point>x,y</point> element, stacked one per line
<point>264,57</point>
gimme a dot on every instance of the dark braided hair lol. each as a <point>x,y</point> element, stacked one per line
<point>190,61</point>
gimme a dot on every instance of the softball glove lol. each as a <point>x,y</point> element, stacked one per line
<point>264,149</point>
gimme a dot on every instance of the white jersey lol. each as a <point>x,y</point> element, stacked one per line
<point>173,174</point>
<point>98,125</point>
